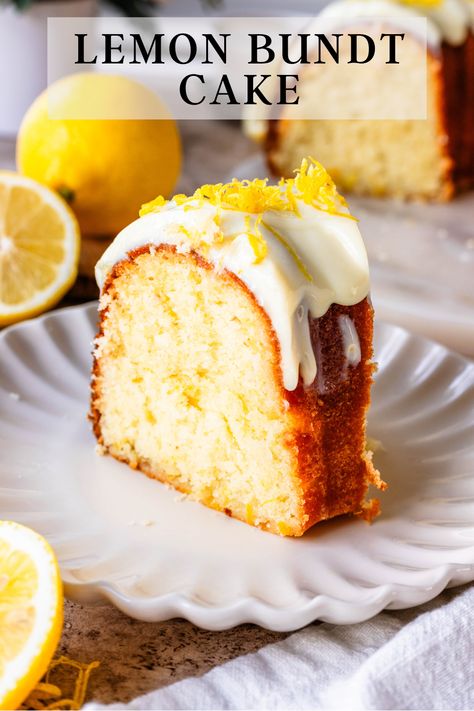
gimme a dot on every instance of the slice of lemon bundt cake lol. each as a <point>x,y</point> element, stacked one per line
<point>233,359</point>
<point>422,159</point>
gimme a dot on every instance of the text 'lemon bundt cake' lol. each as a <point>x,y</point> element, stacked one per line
<point>233,359</point>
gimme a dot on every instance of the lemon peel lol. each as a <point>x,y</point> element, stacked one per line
<point>132,159</point>
<point>47,695</point>
<point>420,3</point>
<point>290,249</point>
<point>39,248</point>
<point>256,239</point>
<point>152,206</point>
<point>31,611</point>
<point>311,185</point>
<point>314,186</point>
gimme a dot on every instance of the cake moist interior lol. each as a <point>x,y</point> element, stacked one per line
<point>187,387</point>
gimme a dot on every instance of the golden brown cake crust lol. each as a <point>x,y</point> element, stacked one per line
<point>337,405</point>
<point>328,418</point>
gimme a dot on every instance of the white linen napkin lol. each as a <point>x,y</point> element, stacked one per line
<point>421,658</point>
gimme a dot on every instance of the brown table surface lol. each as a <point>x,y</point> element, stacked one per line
<point>137,657</point>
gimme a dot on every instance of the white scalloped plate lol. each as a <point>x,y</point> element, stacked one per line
<point>155,555</point>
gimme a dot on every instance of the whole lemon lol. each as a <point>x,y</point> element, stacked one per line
<point>96,140</point>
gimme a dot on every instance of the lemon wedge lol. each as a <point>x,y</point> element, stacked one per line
<point>39,248</point>
<point>31,611</point>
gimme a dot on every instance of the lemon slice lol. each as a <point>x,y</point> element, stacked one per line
<point>31,611</point>
<point>39,248</point>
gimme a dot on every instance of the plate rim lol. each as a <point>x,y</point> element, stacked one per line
<point>251,609</point>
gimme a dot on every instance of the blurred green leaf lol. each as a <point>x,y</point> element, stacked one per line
<point>131,8</point>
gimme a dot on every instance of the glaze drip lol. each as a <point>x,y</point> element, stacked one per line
<point>312,258</point>
<point>350,340</point>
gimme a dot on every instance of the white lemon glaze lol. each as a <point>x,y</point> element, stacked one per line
<point>448,20</point>
<point>453,18</point>
<point>350,340</point>
<point>470,9</point>
<point>314,259</point>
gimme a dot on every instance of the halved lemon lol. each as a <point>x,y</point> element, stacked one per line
<point>39,248</point>
<point>31,611</point>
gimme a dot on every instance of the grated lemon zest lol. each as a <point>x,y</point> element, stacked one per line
<point>185,231</point>
<point>287,246</point>
<point>256,239</point>
<point>420,3</point>
<point>312,185</point>
<point>152,206</point>
<point>46,695</point>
